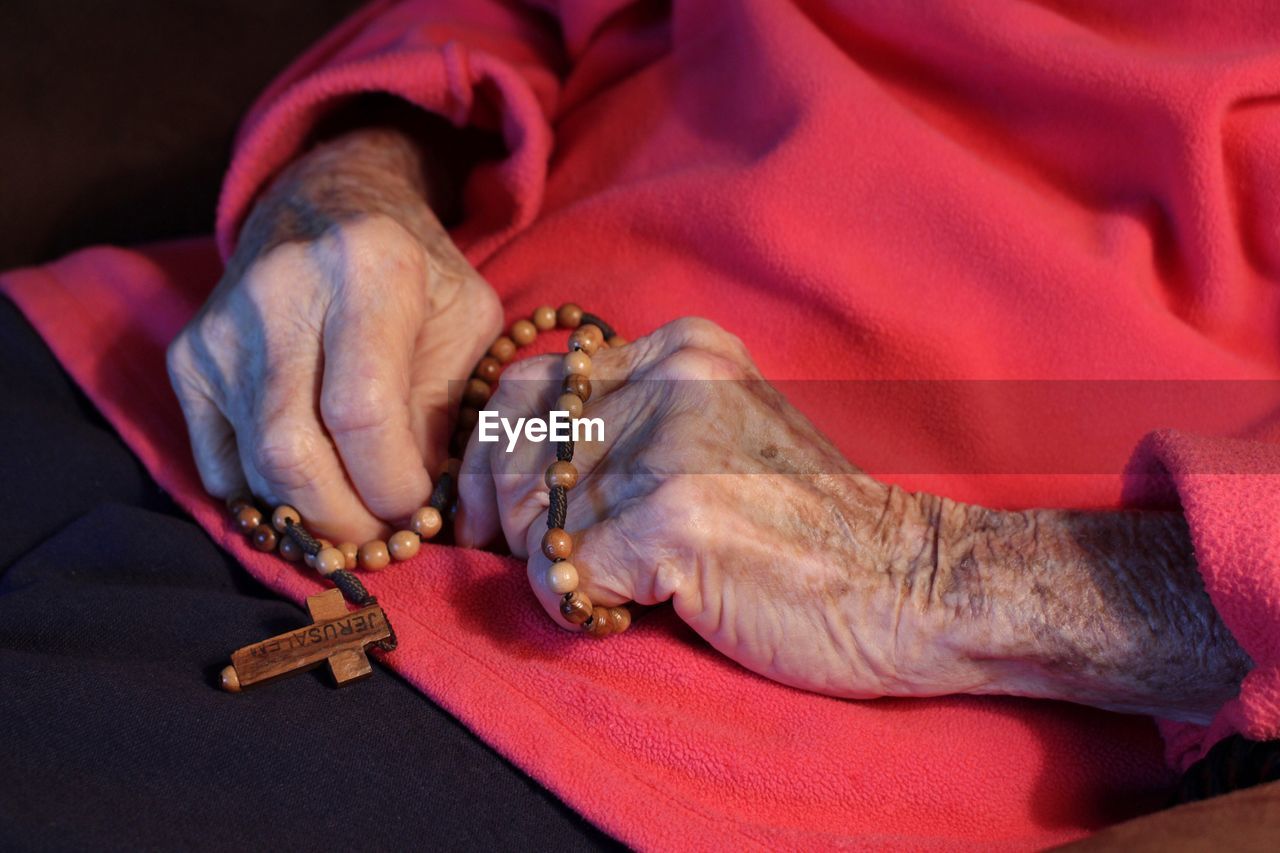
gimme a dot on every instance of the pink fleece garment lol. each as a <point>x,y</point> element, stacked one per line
<point>930,190</point>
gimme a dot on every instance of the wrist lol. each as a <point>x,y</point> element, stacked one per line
<point>1102,608</point>
<point>945,606</point>
<point>364,175</point>
<point>912,615</point>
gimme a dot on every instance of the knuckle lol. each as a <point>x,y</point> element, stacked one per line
<point>526,384</point>
<point>691,364</point>
<point>183,367</point>
<point>346,409</point>
<point>378,247</point>
<point>177,357</point>
<point>263,277</point>
<point>699,333</point>
<point>286,456</point>
<point>485,307</point>
<point>704,333</point>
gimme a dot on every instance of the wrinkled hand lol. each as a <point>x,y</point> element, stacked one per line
<point>721,497</point>
<point>709,490</point>
<point>317,374</point>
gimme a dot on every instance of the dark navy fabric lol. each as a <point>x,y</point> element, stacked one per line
<point>116,614</point>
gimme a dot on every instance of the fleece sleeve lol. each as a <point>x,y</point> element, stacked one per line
<point>482,63</point>
<point>1229,490</point>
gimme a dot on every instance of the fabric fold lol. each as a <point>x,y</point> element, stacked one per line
<point>493,80</point>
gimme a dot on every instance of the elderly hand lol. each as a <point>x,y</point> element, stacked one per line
<point>317,372</point>
<point>710,491</point>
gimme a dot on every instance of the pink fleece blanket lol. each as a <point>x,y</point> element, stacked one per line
<point>934,190</point>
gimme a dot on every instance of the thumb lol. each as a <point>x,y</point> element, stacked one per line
<point>451,343</point>
<point>611,566</point>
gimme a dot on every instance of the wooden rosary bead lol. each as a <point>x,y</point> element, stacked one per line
<point>330,560</point>
<point>569,316</point>
<point>601,623</point>
<point>264,538</point>
<point>570,403</point>
<point>488,369</point>
<point>576,383</point>
<point>582,344</point>
<point>575,607</point>
<point>289,549</point>
<point>503,349</point>
<point>248,518</point>
<point>426,522</point>
<point>230,679</point>
<point>562,577</point>
<point>557,544</point>
<point>310,559</point>
<point>523,332</point>
<point>618,341</point>
<point>621,617</point>
<point>404,545</point>
<point>587,338</point>
<point>476,393</point>
<point>350,553</point>
<point>561,473</point>
<point>577,363</point>
<point>544,318</point>
<point>374,556</point>
<point>284,514</point>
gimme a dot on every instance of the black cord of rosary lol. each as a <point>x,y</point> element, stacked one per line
<point>352,589</point>
<point>439,500</point>
<point>593,320</point>
<point>558,508</point>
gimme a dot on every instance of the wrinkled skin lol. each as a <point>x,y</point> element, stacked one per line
<point>711,491</point>
<point>318,375</point>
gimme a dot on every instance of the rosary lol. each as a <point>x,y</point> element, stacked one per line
<point>339,636</point>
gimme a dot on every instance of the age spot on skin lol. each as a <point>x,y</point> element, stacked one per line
<point>770,451</point>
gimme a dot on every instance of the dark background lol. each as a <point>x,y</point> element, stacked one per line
<point>116,118</point>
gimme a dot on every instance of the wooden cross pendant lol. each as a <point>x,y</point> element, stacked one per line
<point>338,636</point>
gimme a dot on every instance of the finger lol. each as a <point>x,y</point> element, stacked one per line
<point>364,403</point>
<point>603,465</point>
<point>483,508</point>
<point>615,366</point>
<point>497,490</point>
<point>504,489</point>
<point>287,456</point>
<point>605,582</point>
<point>612,566</point>
<point>213,444</point>
<point>507,489</point>
<point>441,360</point>
<point>477,524</point>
